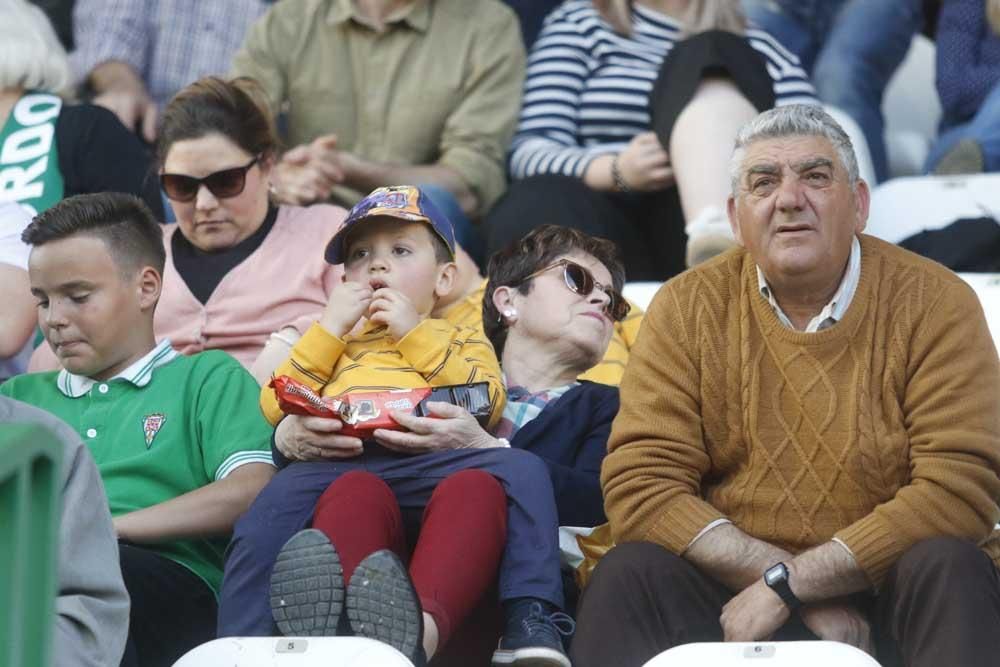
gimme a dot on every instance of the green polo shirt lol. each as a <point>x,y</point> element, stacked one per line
<point>167,425</point>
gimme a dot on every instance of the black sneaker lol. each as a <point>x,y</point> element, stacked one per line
<point>382,605</point>
<point>307,586</point>
<point>532,637</point>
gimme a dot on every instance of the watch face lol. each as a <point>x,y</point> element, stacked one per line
<point>775,574</point>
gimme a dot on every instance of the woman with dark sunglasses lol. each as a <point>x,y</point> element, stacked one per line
<point>243,273</point>
<point>239,266</point>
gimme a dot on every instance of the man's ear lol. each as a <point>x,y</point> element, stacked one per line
<point>148,285</point>
<point>862,205</point>
<point>446,279</point>
<point>734,222</point>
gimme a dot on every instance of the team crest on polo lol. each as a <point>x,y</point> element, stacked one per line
<point>151,425</point>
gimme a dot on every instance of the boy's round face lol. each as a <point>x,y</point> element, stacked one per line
<point>385,252</point>
<point>87,311</point>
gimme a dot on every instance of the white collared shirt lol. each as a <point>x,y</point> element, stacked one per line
<point>834,311</point>
<point>139,373</point>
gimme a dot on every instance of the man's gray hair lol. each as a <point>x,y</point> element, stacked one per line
<point>794,120</point>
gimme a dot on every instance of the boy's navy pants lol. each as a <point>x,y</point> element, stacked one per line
<point>530,563</point>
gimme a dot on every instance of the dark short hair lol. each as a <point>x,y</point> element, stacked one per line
<point>538,249</point>
<point>122,221</point>
<point>237,109</point>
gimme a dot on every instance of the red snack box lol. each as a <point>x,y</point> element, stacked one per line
<point>363,412</point>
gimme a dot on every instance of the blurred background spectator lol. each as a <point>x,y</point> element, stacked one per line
<point>383,92</point>
<point>968,73</point>
<point>50,149</point>
<point>851,48</point>
<point>629,114</point>
<point>132,56</point>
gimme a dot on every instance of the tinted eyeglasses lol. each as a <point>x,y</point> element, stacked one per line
<point>223,184</point>
<point>579,280</point>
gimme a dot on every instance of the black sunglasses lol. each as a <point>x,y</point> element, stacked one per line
<point>223,184</point>
<point>579,280</point>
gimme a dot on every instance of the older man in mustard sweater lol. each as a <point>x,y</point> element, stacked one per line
<point>809,436</point>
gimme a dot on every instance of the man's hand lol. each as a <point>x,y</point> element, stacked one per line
<point>395,310</point>
<point>120,90</point>
<point>840,622</point>
<point>753,615</point>
<point>307,173</point>
<point>452,427</point>
<point>302,438</point>
<point>348,301</point>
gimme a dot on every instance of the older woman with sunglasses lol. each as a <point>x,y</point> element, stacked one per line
<point>242,272</point>
<point>551,301</point>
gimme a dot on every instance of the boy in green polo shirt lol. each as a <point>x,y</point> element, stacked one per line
<point>179,441</point>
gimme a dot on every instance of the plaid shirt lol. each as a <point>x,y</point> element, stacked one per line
<point>170,43</point>
<point>523,406</point>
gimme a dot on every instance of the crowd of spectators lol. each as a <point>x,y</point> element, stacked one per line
<point>197,198</point>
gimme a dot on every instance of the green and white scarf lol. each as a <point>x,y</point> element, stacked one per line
<point>29,163</point>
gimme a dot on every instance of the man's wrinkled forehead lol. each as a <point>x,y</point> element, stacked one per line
<point>798,153</point>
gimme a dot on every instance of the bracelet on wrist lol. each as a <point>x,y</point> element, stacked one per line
<point>616,176</point>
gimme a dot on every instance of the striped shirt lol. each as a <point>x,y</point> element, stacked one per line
<point>587,89</point>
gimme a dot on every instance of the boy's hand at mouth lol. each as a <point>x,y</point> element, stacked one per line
<point>347,304</point>
<point>395,310</point>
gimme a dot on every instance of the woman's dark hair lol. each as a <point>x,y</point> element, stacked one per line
<point>123,222</point>
<point>236,109</point>
<point>538,249</point>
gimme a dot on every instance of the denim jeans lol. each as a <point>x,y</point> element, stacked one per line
<point>865,42</point>
<point>983,128</point>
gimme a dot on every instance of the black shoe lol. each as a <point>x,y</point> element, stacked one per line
<point>307,586</point>
<point>382,605</point>
<point>531,637</point>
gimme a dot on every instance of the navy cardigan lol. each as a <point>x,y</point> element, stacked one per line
<point>571,436</point>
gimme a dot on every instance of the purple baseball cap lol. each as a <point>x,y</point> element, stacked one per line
<point>405,202</point>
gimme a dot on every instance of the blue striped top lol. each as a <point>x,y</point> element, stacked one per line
<point>587,88</point>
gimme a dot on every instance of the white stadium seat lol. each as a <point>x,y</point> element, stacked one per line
<point>293,652</point>
<point>768,654</point>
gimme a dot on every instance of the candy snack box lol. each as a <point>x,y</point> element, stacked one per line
<point>363,412</point>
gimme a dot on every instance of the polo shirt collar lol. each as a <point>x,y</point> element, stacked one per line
<point>139,373</point>
<point>835,310</point>
<point>417,14</point>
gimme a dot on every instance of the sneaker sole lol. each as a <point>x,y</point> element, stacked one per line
<point>307,586</point>
<point>382,604</point>
<point>530,657</point>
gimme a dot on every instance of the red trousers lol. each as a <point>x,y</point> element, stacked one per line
<point>457,553</point>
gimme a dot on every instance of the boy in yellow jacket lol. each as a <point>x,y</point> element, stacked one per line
<point>377,334</point>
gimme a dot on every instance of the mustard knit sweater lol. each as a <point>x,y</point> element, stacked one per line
<point>881,430</point>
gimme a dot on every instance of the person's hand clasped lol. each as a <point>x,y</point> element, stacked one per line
<point>393,309</point>
<point>308,173</point>
<point>754,614</point>
<point>452,427</point>
<point>644,165</point>
<point>839,621</point>
<point>301,438</point>
<point>347,303</point>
